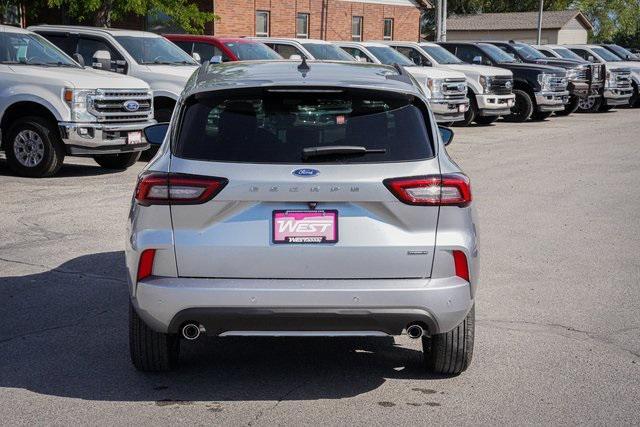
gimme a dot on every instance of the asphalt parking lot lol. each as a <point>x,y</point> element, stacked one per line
<point>558,333</point>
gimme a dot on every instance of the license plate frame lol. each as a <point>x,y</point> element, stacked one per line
<point>278,237</point>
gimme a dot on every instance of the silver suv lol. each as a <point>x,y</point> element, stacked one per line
<point>312,199</point>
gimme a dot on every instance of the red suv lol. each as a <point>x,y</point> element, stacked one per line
<point>231,49</point>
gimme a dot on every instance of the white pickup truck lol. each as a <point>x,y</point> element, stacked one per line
<point>490,88</point>
<point>147,56</point>
<point>51,107</point>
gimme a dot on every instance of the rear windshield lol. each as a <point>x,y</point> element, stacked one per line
<point>276,125</point>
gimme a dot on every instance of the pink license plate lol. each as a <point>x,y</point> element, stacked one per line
<point>305,226</point>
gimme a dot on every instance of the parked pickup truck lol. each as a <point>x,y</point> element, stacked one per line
<point>51,107</point>
<point>490,88</point>
<point>622,77</point>
<point>579,74</point>
<point>445,89</point>
<point>204,48</point>
<point>150,57</point>
<point>540,89</point>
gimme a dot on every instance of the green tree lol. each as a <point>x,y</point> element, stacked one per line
<point>183,13</point>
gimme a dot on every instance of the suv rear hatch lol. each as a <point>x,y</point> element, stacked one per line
<point>303,193</point>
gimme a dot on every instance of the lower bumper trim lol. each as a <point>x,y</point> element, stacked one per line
<point>75,150</point>
<point>302,321</point>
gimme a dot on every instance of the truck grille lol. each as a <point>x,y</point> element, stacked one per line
<point>454,88</point>
<point>558,84</point>
<point>621,79</point>
<point>501,85</point>
<point>118,105</point>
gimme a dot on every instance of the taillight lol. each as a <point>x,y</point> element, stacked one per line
<point>177,189</point>
<point>462,267</point>
<point>145,265</point>
<point>432,190</point>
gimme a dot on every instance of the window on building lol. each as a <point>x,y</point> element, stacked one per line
<point>388,29</point>
<point>356,28</point>
<point>302,25</point>
<point>262,23</point>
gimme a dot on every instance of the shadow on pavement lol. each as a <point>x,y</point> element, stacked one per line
<point>66,171</point>
<point>65,334</point>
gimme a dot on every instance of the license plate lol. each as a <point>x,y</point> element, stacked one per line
<point>313,226</point>
<point>134,138</point>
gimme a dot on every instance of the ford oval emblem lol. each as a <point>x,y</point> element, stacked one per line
<point>508,84</point>
<point>305,173</point>
<point>131,105</point>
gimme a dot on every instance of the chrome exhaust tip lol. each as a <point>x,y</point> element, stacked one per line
<point>191,331</point>
<point>415,331</point>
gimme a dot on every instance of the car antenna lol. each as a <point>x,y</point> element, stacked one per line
<point>304,67</point>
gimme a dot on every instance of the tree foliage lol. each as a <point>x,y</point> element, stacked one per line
<point>612,19</point>
<point>183,13</point>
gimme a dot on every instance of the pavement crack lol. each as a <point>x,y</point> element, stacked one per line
<point>261,413</point>
<point>557,328</point>
<point>63,271</point>
<point>53,328</point>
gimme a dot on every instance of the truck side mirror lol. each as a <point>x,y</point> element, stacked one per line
<point>446,134</point>
<point>477,60</point>
<point>102,60</point>
<point>78,58</point>
<point>196,56</point>
<point>155,134</point>
<point>590,58</point>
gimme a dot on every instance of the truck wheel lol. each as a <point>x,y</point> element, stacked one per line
<point>634,101</point>
<point>151,351</point>
<point>470,114</point>
<point>522,109</point>
<point>33,148</point>
<point>486,120</point>
<point>450,353</point>
<point>163,115</point>
<point>541,115</point>
<point>589,105</point>
<point>117,161</point>
<point>570,108</point>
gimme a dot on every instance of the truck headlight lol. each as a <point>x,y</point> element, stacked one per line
<point>544,80</point>
<point>79,101</point>
<point>485,82</point>
<point>435,87</point>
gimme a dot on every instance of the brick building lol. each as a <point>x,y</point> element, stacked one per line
<point>319,19</point>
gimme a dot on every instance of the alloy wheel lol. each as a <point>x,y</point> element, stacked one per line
<point>28,148</point>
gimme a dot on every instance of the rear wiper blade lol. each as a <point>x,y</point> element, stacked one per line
<point>329,150</point>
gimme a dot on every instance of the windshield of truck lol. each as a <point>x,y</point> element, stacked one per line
<point>389,56</point>
<point>606,55</point>
<point>496,54</point>
<point>527,52</point>
<point>441,55</point>
<point>251,51</point>
<point>283,126</point>
<point>327,52</point>
<point>154,51</point>
<point>622,52</point>
<point>32,49</point>
<point>567,54</point>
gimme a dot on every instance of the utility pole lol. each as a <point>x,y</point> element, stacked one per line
<point>443,30</point>
<point>540,23</point>
<point>438,20</point>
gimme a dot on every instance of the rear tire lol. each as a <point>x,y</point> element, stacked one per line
<point>590,105</point>
<point>486,120</point>
<point>34,148</point>
<point>522,108</point>
<point>539,115</point>
<point>451,353</point>
<point>117,161</point>
<point>151,351</point>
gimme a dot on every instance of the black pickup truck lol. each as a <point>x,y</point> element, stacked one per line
<point>540,89</point>
<point>580,74</point>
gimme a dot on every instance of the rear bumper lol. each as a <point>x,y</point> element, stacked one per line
<point>495,105</point>
<point>551,101</point>
<point>449,110</point>
<point>280,307</point>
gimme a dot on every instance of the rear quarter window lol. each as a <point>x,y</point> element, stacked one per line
<point>276,125</point>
